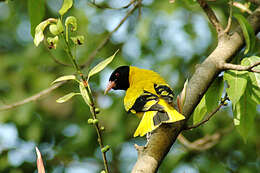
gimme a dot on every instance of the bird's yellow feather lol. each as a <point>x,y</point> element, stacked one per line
<point>147,125</point>
<point>142,83</point>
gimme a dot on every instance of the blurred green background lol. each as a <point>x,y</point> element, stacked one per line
<point>167,38</point>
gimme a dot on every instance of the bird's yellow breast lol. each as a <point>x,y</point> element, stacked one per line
<point>140,80</point>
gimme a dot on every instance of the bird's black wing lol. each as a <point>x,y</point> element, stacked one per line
<point>145,102</point>
<point>165,92</point>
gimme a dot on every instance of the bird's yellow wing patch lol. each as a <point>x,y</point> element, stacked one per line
<point>174,115</point>
<point>142,103</point>
<point>153,119</point>
<point>146,124</point>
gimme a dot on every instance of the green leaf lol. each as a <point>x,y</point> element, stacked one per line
<point>67,4</point>
<point>63,78</point>
<point>105,149</point>
<point>52,42</point>
<point>84,93</point>
<point>71,20</point>
<point>200,111</point>
<point>237,81</point>
<point>66,97</point>
<point>244,114</point>
<point>78,40</point>
<point>101,65</point>
<point>36,10</point>
<point>39,36</point>
<point>248,32</point>
<point>214,93</point>
<point>56,29</point>
<point>183,93</point>
<point>254,77</point>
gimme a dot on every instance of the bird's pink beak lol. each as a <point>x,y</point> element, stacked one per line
<point>110,85</point>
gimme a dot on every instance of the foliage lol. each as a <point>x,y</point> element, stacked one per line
<point>168,38</point>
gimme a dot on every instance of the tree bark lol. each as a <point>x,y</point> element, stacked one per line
<point>150,157</point>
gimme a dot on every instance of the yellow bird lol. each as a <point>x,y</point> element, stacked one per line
<point>147,95</point>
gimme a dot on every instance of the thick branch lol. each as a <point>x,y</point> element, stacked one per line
<point>229,66</point>
<point>32,98</point>
<point>211,15</point>
<point>160,142</point>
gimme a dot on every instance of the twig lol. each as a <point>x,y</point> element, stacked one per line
<point>222,103</point>
<point>211,15</point>
<point>257,2</point>
<point>139,9</point>
<point>204,143</point>
<point>107,7</point>
<point>242,7</point>
<point>229,66</point>
<point>52,57</point>
<point>91,100</point>
<point>106,39</point>
<point>91,57</point>
<point>227,29</point>
<point>32,98</point>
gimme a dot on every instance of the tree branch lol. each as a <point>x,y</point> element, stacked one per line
<point>211,15</point>
<point>52,56</point>
<point>32,98</point>
<point>222,103</point>
<point>90,59</point>
<point>204,143</point>
<point>242,7</point>
<point>229,66</point>
<point>105,41</point>
<point>257,2</point>
<point>227,29</point>
<point>161,140</point>
<point>93,3</point>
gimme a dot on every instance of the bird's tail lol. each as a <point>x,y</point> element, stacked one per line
<point>153,119</point>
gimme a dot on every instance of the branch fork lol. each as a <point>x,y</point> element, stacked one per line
<point>229,66</point>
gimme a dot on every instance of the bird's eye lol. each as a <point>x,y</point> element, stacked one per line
<point>117,74</point>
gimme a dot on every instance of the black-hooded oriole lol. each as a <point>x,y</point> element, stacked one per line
<point>147,95</point>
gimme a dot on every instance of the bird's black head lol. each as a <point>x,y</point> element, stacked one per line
<point>119,79</point>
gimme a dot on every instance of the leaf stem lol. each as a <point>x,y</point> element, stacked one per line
<point>92,104</point>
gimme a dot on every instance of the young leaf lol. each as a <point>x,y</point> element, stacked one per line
<point>71,20</point>
<point>52,42</point>
<point>78,40</point>
<point>214,93</point>
<point>56,29</point>
<point>66,97</point>
<point>101,65</point>
<point>237,81</point>
<point>60,26</point>
<point>67,4</point>
<point>39,30</point>
<point>183,93</point>
<point>200,111</point>
<point>84,93</point>
<point>254,77</point>
<point>63,78</point>
<point>248,32</point>
<point>244,113</point>
<point>36,10</point>
<point>40,165</point>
